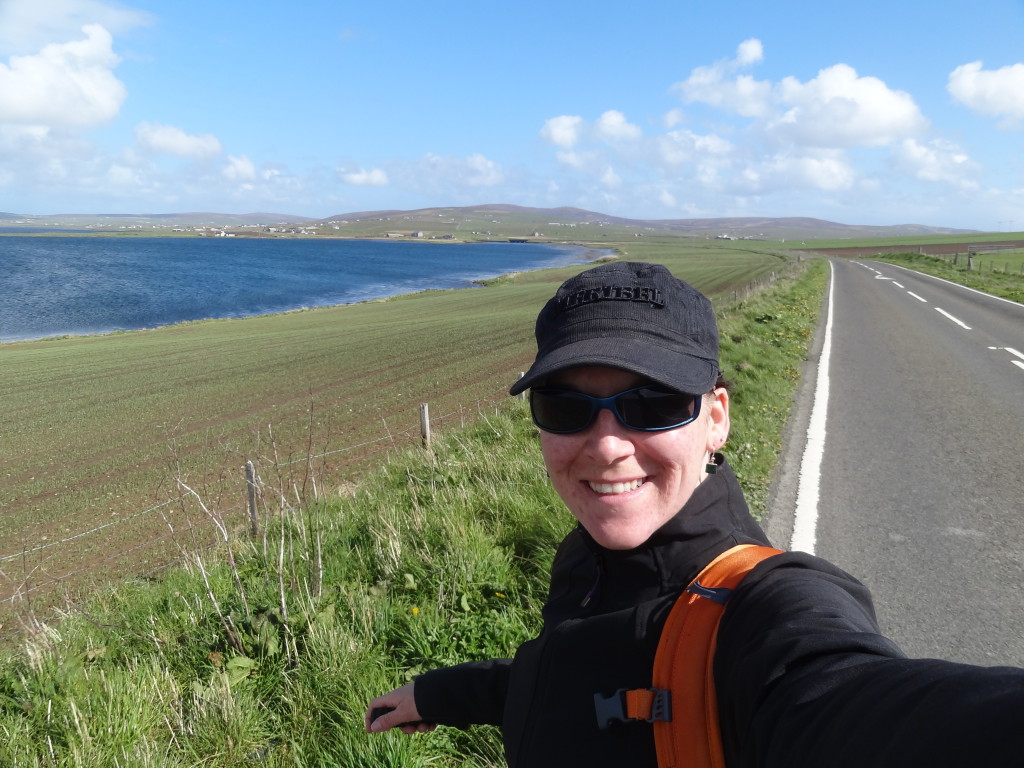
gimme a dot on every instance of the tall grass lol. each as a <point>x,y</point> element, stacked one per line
<point>269,657</point>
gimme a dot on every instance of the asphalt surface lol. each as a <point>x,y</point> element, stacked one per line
<point>922,473</point>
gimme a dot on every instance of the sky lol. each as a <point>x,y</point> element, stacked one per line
<point>860,113</point>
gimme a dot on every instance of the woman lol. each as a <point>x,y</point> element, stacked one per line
<point>627,394</point>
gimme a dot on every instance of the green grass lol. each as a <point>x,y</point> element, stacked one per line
<point>437,557</point>
<point>98,429</point>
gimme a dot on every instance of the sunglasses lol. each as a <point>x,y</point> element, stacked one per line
<point>645,409</point>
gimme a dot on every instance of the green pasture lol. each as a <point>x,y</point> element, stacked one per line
<point>97,430</point>
<point>269,657</point>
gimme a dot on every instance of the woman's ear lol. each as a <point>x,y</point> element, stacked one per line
<point>718,419</point>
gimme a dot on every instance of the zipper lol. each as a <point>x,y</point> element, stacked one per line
<point>597,582</point>
<point>525,740</point>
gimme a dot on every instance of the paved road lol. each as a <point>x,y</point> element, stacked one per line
<point>922,473</point>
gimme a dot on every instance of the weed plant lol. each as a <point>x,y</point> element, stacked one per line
<point>269,657</point>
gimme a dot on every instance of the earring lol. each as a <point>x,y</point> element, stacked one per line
<point>711,467</point>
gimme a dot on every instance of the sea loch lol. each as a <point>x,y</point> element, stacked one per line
<point>52,286</point>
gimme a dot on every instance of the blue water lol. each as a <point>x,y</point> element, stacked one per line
<point>52,286</point>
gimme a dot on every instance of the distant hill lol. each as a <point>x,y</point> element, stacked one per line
<point>144,220</point>
<point>544,218</point>
<point>483,220</point>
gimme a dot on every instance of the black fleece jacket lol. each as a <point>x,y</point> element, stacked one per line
<point>802,674</point>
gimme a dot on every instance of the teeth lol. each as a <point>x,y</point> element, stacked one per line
<point>632,485</point>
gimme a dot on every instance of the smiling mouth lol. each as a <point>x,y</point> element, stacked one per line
<point>626,487</point>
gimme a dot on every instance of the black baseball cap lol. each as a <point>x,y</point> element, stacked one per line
<point>629,315</point>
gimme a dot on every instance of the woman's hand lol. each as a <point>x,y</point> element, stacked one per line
<point>396,710</point>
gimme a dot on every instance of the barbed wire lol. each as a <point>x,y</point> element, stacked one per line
<point>392,437</point>
<point>21,593</point>
<point>76,536</point>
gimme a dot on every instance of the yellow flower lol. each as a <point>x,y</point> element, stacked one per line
<point>415,611</point>
<point>499,594</point>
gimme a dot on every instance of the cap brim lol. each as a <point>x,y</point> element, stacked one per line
<point>675,369</point>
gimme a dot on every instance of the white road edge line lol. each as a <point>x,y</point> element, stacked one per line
<point>805,520</point>
<point>958,285</point>
<point>1018,363</point>
<point>961,323</point>
<point>1013,351</point>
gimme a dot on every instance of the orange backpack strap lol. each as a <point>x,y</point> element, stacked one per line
<point>682,703</point>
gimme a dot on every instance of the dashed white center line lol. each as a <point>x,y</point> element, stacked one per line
<point>1012,351</point>
<point>961,323</point>
<point>911,293</point>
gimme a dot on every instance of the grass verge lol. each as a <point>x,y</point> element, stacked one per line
<point>1008,283</point>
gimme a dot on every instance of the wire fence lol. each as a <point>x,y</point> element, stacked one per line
<point>48,565</point>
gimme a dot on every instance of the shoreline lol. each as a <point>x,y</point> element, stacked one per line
<point>590,254</point>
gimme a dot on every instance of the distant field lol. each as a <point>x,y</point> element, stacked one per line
<point>909,242</point>
<point>96,429</point>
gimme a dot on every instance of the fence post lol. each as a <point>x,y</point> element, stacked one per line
<point>250,480</point>
<point>425,424</point>
<point>522,395</point>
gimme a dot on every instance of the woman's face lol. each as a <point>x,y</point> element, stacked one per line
<point>622,484</point>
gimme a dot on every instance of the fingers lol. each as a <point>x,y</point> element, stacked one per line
<point>396,709</point>
<point>418,727</point>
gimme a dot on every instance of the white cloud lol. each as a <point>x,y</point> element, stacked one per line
<point>64,84</point>
<point>742,95</point>
<point>673,118</point>
<point>750,52</point>
<point>610,178</point>
<point>170,140</point>
<point>28,25</point>
<point>365,178</point>
<point>613,126</point>
<point>472,171</point>
<point>840,109</point>
<point>562,131</point>
<point>573,159</point>
<point>122,177</point>
<point>997,92</point>
<point>240,169</point>
<point>839,141</point>
<point>682,146</point>
<point>937,161</point>
<point>827,171</point>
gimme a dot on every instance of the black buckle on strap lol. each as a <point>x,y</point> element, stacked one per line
<point>612,708</point>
